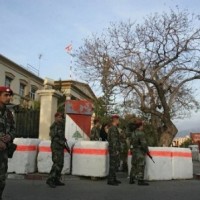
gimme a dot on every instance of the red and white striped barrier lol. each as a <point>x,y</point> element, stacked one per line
<point>90,158</point>
<point>24,158</point>
<point>170,163</point>
<point>44,159</point>
<point>182,163</point>
<point>162,168</point>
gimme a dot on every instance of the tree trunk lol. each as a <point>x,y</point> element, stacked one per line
<point>155,122</point>
<point>167,135</point>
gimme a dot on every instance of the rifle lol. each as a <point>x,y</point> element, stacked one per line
<point>67,147</point>
<point>148,154</point>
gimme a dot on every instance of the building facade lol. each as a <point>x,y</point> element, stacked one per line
<point>75,90</point>
<point>23,82</point>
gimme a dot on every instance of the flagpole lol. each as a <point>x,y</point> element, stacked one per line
<point>70,69</point>
<point>69,49</point>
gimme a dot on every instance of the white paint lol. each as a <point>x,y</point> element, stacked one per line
<point>167,167</point>
<point>162,168</point>
<point>90,164</point>
<point>71,127</point>
<point>24,162</point>
<point>44,159</point>
<point>182,166</point>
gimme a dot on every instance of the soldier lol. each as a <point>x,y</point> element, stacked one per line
<point>95,132</point>
<point>123,150</point>
<point>7,132</point>
<point>139,149</point>
<point>58,140</point>
<point>114,150</point>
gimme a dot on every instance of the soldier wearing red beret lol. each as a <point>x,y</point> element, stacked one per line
<point>139,149</point>
<point>7,132</point>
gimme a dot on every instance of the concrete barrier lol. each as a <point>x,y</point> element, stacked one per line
<point>44,159</point>
<point>182,167</point>
<point>161,169</point>
<point>25,156</point>
<point>195,152</point>
<point>170,163</point>
<point>90,158</point>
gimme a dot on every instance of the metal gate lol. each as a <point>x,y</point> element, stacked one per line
<point>27,123</point>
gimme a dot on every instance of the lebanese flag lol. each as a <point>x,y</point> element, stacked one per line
<point>68,48</point>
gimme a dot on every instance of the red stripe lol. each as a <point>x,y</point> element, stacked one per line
<point>90,151</point>
<point>168,154</point>
<point>44,149</point>
<point>182,154</point>
<point>47,149</point>
<point>26,148</point>
<point>161,153</point>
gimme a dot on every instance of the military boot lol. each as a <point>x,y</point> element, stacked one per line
<point>118,181</point>
<point>143,182</point>
<point>51,183</point>
<point>131,180</point>
<point>59,183</point>
<point>114,183</point>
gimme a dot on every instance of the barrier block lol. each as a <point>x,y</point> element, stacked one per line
<point>44,159</point>
<point>170,163</point>
<point>182,163</point>
<point>90,158</point>
<point>162,168</point>
<point>25,156</point>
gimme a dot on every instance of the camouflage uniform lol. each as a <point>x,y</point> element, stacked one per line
<point>123,150</point>
<point>95,134</point>
<point>139,149</point>
<point>6,127</point>
<point>114,149</point>
<point>57,134</point>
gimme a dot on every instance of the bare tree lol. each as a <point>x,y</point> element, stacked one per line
<point>152,64</point>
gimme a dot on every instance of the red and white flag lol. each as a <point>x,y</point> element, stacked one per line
<point>68,48</point>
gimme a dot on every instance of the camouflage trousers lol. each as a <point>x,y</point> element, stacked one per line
<point>3,170</point>
<point>137,165</point>
<point>58,162</point>
<point>113,167</point>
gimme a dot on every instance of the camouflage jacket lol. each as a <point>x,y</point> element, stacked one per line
<point>113,139</point>
<point>95,134</point>
<point>7,125</point>
<point>57,135</point>
<point>138,142</point>
<point>123,142</point>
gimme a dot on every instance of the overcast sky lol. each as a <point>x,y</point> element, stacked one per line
<point>32,27</point>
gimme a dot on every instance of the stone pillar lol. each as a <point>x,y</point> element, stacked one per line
<point>48,107</point>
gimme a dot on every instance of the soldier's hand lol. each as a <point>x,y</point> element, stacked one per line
<point>6,138</point>
<point>2,145</point>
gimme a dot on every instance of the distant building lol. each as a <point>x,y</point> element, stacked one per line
<point>180,140</point>
<point>75,90</point>
<point>195,137</point>
<point>23,82</point>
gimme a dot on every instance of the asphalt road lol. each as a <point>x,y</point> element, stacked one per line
<point>85,189</point>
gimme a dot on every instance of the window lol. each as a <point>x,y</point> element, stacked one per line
<point>33,92</point>
<point>8,81</point>
<point>22,89</point>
